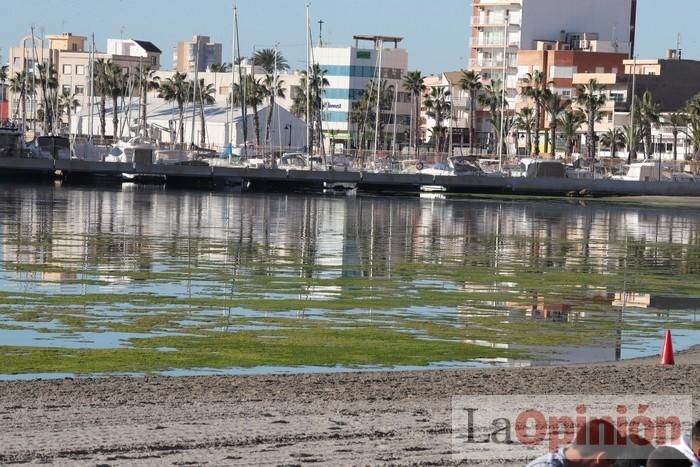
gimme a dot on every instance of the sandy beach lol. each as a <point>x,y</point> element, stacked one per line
<point>382,418</point>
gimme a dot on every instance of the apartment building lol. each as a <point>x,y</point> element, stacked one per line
<point>69,55</point>
<point>199,54</point>
<point>501,28</point>
<point>349,71</point>
<point>458,124</point>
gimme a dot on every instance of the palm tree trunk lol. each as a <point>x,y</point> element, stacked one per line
<point>23,97</point>
<point>417,123</point>
<point>528,141</point>
<point>472,115</point>
<point>537,129</point>
<point>591,137</point>
<point>103,115</point>
<point>181,108</point>
<point>675,145</point>
<point>203,133</point>
<point>256,124</point>
<point>115,118</point>
<point>553,130</point>
<point>269,120</point>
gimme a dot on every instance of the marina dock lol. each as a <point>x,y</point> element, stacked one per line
<point>254,179</point>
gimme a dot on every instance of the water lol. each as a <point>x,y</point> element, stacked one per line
<point>139,280</point>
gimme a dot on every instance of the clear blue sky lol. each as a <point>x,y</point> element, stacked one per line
<point>436,31</point>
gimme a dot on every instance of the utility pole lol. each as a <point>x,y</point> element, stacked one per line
<point>320,33</point>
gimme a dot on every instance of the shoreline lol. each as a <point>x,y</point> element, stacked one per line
<point>401,418</point>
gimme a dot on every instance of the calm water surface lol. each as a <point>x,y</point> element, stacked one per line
<point>183,273</point>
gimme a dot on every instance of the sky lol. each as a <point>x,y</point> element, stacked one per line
<point>436,32</point>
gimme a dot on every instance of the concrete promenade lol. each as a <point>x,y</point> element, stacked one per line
<point>275,179</point>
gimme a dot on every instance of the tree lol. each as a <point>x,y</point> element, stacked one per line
<point>439,107</point>
<point>632,138</point>
<point>220,68</point>
<point>414,83</point>
<point>48,83</point>
<point>590,99</point>
<point>274,89</point>
<point>3,80</point>
<point>205,95</point>
<point>145,81</point>
<point>648,115</point>
<point>555,106</point>
<point>19,86</point>
<point>570,122</point>
<point>534,86</point>
<point>177,89</point>
<point>317,83</point>
<point>525,121</point>
<point>677,121</point>
<point>364,112</point>
<point>68,102</point>
<point>613,139</point>
<point>508,123</point>
<point>270,60</point>
<point>115,88</point>
<point>492,97</point>
<point>471,83</point>
<point>101,84</point>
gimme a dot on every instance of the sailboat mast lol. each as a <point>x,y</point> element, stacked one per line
<point>194,92</point>
<point>244,105</point>
<point>91,96</point>
<point>379,98</point>
<point>233,81</point>
<point>308,83</point>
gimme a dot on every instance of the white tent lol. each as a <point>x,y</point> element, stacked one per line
<point>163,122</point>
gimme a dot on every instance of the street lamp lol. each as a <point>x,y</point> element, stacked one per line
<point>288,127</point>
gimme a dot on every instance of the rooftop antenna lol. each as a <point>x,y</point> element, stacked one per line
<point>679,51</point>
<point>320,33</point>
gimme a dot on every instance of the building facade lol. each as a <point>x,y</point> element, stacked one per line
<point>349,71</point>
<point>199,54</point>
<point>501,28</point>
<point>135,48</point>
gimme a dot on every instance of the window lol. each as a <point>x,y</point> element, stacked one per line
<point>153,60</point>
<point>74,47</point>
<point>67,69</point>
<point>80,90</point>
<point>66,89</point>
<point>79,69</point>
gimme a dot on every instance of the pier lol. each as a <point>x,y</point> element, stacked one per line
<point>280,180</point>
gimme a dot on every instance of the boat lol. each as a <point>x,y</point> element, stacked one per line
<point>292,161</point>
<point>126,152</point>
<point>53,147</point>
<point>11,142</point>
<point>546,169</point>
<point>172,156</point>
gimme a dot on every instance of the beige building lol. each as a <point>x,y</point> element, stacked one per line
<point>199,54</point>
<point>69,55</point>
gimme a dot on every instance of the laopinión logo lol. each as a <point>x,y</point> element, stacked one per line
<point>521,428</point>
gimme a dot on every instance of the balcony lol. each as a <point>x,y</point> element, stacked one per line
<point>491,63</point>
<point>494,21</point>
<point>494,42</point>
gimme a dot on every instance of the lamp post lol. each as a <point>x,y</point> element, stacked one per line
<point>288,127</point>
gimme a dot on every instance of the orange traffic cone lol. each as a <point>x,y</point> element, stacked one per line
<point>667,358</point>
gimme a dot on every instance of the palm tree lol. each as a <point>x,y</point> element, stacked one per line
<point>555,105</point>
<point>101,84</point>
<point>525,121</point>
<point>19,86</point>
<point>438,106</point>
<point>270,60</point>
<point>535,86</point>
<point>48,83</point>
<point>570,122</point>
<point>414,83</point>
<point>254,98</point>
<point>3,80</point>
<point>68,102</point>
<point>220,68</point>
<point>364,112</point>
<point>613,139</point>
<point>274,89</point>
<point>205,95</point>
<point>145,81</point>
<point>590,99</point>
<point>648,115</point>
<point>677,121</point>
<point>632,137</point>
<point>492,97</point>
<point>115,88</point>
<point>177,89</point>
<point>508,123</point>
<point>317,83</point>
<point>471,83</point>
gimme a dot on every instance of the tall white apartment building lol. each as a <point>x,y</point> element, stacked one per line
<point>500,28</point>
<point>349,70</point>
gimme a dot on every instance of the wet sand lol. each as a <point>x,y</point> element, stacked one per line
<point>382,418</point>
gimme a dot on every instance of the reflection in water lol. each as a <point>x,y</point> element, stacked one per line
<point>566,282</point>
